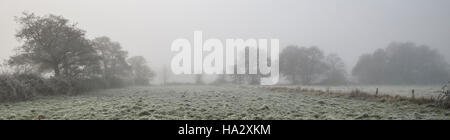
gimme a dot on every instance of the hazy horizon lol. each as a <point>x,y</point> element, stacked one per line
<point>349,28</point>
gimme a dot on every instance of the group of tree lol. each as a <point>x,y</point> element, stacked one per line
<point>300,65</point>
<point>53,45</point>
<point>402,63</point>
<point>398,64</point>
<point>310,65</point>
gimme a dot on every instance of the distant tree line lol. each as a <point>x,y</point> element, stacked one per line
<point>300,65</point>
<point>402,63</point>
<point>398,64</point>
<point>53,47</point>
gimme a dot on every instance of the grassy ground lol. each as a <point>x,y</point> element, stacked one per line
<point>212,102</point>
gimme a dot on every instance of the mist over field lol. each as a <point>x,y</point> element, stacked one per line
<point>117,59</point>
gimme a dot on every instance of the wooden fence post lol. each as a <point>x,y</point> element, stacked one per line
<point>376,93</point>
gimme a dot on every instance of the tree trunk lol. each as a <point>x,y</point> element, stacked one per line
<point>57,71</point>
<point>294,79</point>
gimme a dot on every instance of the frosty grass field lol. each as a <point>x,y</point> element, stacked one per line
<point>212,103</point>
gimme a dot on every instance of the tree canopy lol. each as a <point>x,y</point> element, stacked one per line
<point>311,65</point>
<point>402,63</point>
<point>52,43</point>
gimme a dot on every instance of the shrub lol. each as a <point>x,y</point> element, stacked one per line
<point>443,100</point>
<point>13,89</point>
<point>23,86</point>
<point>89,84</point>
<point>142,81</point>
<point>36,83</point>
<point>118,82</point>
<point>61,86</point>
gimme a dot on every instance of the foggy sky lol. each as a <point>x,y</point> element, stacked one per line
<point>148,27</point>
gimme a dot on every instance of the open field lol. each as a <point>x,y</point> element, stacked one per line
<point>212,102</point>
<point>405,91</point>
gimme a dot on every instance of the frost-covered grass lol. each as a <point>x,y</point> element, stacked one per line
<point>212,103</point>
<point>405,91</point>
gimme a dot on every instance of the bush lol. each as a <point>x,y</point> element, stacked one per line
<point>142,81</point>
<point>89,84</point>
<point>61,86</point>
<point>24,86</point>
<point>13,89</point>
<point>36,83</point>
<point>117,82</point>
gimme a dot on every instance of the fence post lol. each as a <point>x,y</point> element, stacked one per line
<point>376,93</point>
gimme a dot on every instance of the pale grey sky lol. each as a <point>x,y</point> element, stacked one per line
<point>148,27</point>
